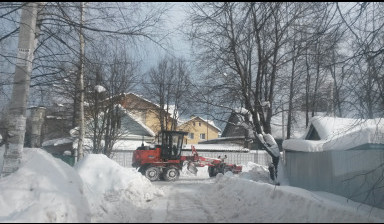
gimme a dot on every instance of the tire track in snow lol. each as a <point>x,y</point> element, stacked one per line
<point>184,201</point>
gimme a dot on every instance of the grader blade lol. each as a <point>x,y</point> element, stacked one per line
<point>191,168</point>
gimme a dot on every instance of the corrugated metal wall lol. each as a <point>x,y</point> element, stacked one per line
<point>354,174</point>
<point>124,158</point>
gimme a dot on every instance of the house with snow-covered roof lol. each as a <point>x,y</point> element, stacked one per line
<point>333,133</point>
<point>132,134</point>
<point>131,129</point>
<point>146,111</point>
<point>342,156</point>
<point>199,130</point>
<point>239,130</point>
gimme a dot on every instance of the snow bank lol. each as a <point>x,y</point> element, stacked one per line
<point>115,193</point>
<point>255,172</point>
<point>44,189</point>
<point>238,199</point>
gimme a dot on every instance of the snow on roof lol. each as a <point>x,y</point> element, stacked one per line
<point>130,125</point>
<point>303,145</point>
<point>100,89</point>
<point>339,134</point>
<point>333,127</point>
<point>171,108</point>
<point>217,147</point>
<point>55,117</point>
<point>57,141</point>
<point>297,127</point>
<point>140,96</point>
<point>134,118</point>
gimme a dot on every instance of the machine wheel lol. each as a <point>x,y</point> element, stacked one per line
<point>171,174</point>
<point>142,170</point>
<point>226,169</point>
<point>212,171</point>
<point>152,173</point>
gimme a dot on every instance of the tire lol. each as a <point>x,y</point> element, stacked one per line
<point>212,171</point>
<point>152,173</point>
<point>142,170</point>
<point>226,169</point>
<point>171,174</point>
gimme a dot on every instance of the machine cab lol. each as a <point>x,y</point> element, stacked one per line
<point>171,144</point>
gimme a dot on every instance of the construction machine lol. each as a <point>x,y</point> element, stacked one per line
<point>164,161</point>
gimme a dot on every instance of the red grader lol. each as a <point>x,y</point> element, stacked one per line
<point>164,161</point>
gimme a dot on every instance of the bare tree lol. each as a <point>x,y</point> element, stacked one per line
<point>58,39</point>
<point>365,62</point>
<point>242,44</point>
<point>169,85</point>
<point>116,77</point>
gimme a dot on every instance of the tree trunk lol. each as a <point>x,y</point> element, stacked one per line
<point>80,150</point>
<point>16,122</point>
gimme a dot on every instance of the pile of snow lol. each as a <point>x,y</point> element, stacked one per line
<point>97,189</point>
<point>115,193</point>
<point>255,172</point>
<point>44,189</point>
<point>242,200</point>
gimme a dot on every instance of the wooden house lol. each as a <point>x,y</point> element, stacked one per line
<point>199,130</point>
<point>145,111</point>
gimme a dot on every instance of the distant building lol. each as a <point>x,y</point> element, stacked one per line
<point>145,111</point>
<point>342,156</point>
<point>334,133</point>
<point>199,130</point>
<point>239,129</point>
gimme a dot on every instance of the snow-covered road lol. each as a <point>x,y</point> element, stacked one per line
<point>185,201</point>
<point>201,199</point>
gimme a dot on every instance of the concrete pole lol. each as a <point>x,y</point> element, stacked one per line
<point>16,120</point>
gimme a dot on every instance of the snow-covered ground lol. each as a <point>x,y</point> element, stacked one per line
<point>97,189</point>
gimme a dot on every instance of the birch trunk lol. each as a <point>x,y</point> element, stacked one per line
<point>16,118</point>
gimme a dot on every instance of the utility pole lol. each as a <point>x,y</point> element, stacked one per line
<point>16,118</point>
<point>80,150</point>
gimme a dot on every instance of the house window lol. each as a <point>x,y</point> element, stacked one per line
<point>200,124</point>
<point>191,135</point>
<point>202,136</point>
